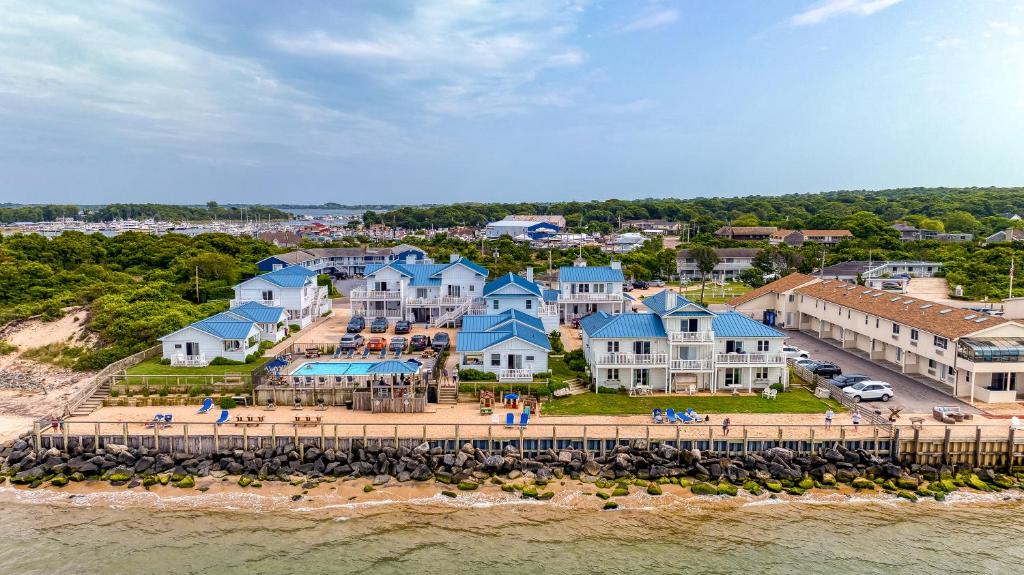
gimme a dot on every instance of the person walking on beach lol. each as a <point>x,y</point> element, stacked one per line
<point>54,423</point>
<point>856,419</point>
<point>828,418</point>
<point>725,426</point>
<point>455,378</point>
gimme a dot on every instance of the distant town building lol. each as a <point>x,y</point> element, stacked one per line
<point>525,228</point>
<point>800,237</point>
<point>732,262</point>
<point>280,238</point>
<point>1008,235</point>
<point>346,262</point>
<point>746,233</point>
<point>909,233</point>
<point>624,243</point>
<point>656,225</point>
<point>851,270</point>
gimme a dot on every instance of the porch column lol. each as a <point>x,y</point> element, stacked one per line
<point>750,380</point>
<point>785,377</point>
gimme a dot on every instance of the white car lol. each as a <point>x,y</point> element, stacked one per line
<point>870,389</point>
<point>804,363</point>
<point>789,351</point>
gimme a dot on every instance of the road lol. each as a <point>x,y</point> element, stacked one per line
<point>910,394</point>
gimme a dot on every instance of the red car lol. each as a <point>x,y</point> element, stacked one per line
<point>376,343</point>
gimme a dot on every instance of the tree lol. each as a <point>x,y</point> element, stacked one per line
<point>706,260</point>
<point>962,222</point>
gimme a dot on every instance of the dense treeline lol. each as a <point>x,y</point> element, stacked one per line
<point>137,286</point>
<point>971,210</point>
<point>162,212</point>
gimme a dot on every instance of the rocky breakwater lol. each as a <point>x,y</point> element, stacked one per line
<point>626,468</point>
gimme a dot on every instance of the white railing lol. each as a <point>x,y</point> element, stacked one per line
<point>691,336</point>
<point>189,360</point>
<point>515,375</point>
<point>266,302</point>
<point>454,314</point>
<point>750,358</point>
<point>690,365</point>
<point>589,297</point>
<point>548,309</point>
<point>375,294</point>
<point>435,301</point>
<point>632,358</point>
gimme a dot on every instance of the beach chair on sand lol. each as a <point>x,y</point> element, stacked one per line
<point>366,352</point>
<point>656,415</point>
<point>337,352</point>
<point>224,416</point>
<point>670,415</point>
<point>384,353</point>
<point>510,420</point>
<point>157,420</point>
<point>207,405</point>
<point>168,418</point>
<point>351,352</point>
<point>524,419</point>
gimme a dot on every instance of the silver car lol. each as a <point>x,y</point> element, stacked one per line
<point>868,390</point>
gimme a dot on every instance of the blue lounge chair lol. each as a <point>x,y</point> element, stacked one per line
<point>686,418</point>
<point>670,415</point>
<point>366,353</point>
<point>656,415</point>
<point>337,352</point>
<point>223,417</point>
<point>157,420</point>
<point>524,419</point>
<point>398,353</point>
<point>351,352</point>
<point>510,420</point>
<point>384,353</point>
<point>207,405</point>
<point>168,418</point>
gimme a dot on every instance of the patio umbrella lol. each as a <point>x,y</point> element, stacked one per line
<point>276,363</point>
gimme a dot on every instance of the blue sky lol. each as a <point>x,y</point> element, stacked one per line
<point>363,102</point>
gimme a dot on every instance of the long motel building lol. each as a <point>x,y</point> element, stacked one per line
<point>676,345</point>
<point>967,354</point>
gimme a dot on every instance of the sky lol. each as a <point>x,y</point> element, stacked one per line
<point>252,101</point>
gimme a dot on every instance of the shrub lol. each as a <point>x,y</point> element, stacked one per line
<point>165,361</point>
<point>476,375</point>
<point>294,327</point>
<point>225,361</point>
<point>777,387</point>
<point>576,360</point>
<point>603,389</point>
<point>163,391</point>
<point>114,393</point>
<point>6,348</point>
<point>555,338</point>
<point>227,403</point>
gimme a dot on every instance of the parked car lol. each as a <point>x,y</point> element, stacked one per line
<point>627,287</point>
<point>639,284</point>
<point>789,351</point>
<point>398,344</point>
<point>826,369</point>
<point>657,283</point>
<point>403,326</point>
<point>868,390</point>
<point>376,343</point>
<point>356,324</point>
<point>379,325</point>
<point>418,342</point>
<point>841,381</point>
<point>804,363</point>
<point>440,341</point>
<point>351,341</point>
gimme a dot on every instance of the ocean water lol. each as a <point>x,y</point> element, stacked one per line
<point>47,532</point>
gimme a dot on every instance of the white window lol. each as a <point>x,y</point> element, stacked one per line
<point>613,347</point>
<point>761,373</point>
<point>495,304</point>
<point>613,375</point>
<point>529,304</point>
<point>895,329</point>
<point>495,360</point>
<point>762,345</point>
<point>914,335</point>
<point>941,342</point>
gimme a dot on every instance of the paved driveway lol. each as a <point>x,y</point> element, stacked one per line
<point>346,286</point>
<point>911,395</point>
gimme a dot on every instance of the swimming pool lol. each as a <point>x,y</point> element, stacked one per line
<point>334,368</point>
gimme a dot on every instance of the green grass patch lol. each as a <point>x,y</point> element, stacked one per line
<point>796,400</point>
<point>6,348</point>
<point>153,366</point>
<point>59,354</point>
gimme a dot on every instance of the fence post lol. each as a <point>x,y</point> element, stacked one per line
<point>124,432</point>
<point>96,438</point>
<point>616,436</point>
<point>424,434</point>
<point>396,437</point>
<point>335,436</point>
<point>37,432</point>
<point>216,438</point>
<point>875,437</point>
<point>811,447</point>
<point>156,438</point>
<point>917,445</point>
<point>894,447</point>
<point>977,446</point>
<point>273,436</point>
<point>586,448</point>
<point>364,435</point>
<point>245,437</point>
<point>184,435</point>
<point>1009,448</point>
<point>490,440</point>
<point>842,435</point>
<point>744,439</point>
<point>64,427</point>
<point>457,446</point>
<point>647,435</point>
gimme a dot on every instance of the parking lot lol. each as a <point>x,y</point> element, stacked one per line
<point>911,395</point>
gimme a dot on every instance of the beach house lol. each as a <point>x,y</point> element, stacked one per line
<point>512,345</point>
<point>293,288</point>
<point>224,335</point>
<point>439,294</point>
<point>515,292</point>
<point>731,263</point>
<point>678,345</point>
<point>584,289</point>
<point>343,262</point>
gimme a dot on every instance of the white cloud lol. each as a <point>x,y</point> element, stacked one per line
<point>835,8</point>
<point>1004,27</point>
<point>651,20</point>
<point>468,58</point>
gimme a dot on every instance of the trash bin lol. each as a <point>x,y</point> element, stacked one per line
<point>348,404</point>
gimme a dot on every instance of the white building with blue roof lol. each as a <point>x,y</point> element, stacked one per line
<point>438,294</point>
<point>583,290</point>
<point>680,346</point>
<point>233,334</point>
<point>293,288</point>
<point>515,292</point>
<point>512,345</point>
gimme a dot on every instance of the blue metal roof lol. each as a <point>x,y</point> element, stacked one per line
<point>225,325</point>
<point>658,303</point>
<point>627,325</point>
<point>291,276</point>
<point>733,324</point>
<point>487,322</point>
<point>393,366</point>
<point>511,278</point>
<point>478,340</point>
<point>258,312</point>
<point>550,295</point>
<point>471,265</point>
<point>574,274</point>
<point>480,332</point>
<point>424,274</point>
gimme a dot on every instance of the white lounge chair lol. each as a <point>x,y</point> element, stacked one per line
<point>1015,424</point>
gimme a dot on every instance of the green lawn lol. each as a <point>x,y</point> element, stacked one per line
<point>559,369</point>
<point>796,400</point>
<point>153,366</point>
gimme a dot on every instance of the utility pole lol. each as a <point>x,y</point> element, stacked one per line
<point>1010,295</point>
<point>197,284</point>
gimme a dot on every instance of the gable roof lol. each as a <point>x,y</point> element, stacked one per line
<point>393,366</point>
<point>733,324</point>
<point>601,324</point>
<point>291,276</point>
<point>258,312</point>
<point>225,325</point>
<point>512,279</point>
<point>578,274</point>
<point>480,332</point>
<point>420,274</point>
<point>778,286</point>
<point>658,303</point>
<point>936,318</point>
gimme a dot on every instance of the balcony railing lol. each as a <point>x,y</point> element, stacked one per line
<point>515,375</point>
<point>266,302</point>
<point>589,297</point>
<point>548,309</point>
<point>691,336</point>
<point>436,301</point>
<point>632,358</point>
<point>189,360</point>
<point>690,365</point>
<point>375,294</point>
<point>750,358</point>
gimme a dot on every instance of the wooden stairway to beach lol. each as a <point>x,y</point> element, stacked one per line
<point>94,401</point>
<point>447,394</point>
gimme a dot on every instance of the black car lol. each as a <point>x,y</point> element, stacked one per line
<point>418,342</point>
<point>379,325</point>
<point>842,381</point>
<point>403,326</point>
<point>638,284</point>
<point>440,341</point>
<point>356,324</point>
<point>825,369</point>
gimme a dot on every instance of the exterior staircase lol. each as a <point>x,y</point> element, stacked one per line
<point>447,394</point>
<point>577,386</point>
<point>94,401</point>
<point>448,318</point>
